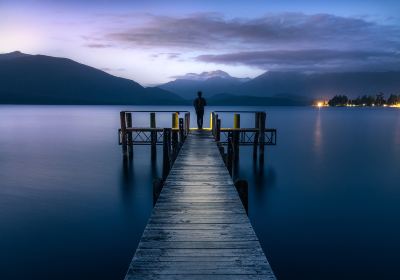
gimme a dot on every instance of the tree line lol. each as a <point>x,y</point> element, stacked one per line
<point>365,100</point>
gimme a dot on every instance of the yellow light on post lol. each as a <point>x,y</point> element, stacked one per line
<point>236,120</point>
<point>175,120</point>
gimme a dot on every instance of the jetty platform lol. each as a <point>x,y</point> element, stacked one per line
<point>199,228</point>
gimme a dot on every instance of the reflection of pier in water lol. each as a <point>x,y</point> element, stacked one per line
<point>198,227</point>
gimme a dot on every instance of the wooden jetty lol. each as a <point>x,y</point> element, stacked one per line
<point>199,228</point>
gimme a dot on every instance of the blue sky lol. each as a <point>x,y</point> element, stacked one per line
<point>152,41</point>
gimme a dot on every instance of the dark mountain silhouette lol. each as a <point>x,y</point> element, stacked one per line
<point>39,79</point>
<point>240,100</point>
<point>323,85</point>
<point>12,55</point>
<point>208,75</point>
<point>211,83</point>
<point>294,86</point>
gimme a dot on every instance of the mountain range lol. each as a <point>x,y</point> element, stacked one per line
<point>40,79</point>
<point>292,85</point>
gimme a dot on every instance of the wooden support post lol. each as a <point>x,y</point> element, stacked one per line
<point>153,136</point>
<point>222,151</point>
<point>123,134</point>
<point>158,184</point>
<point>128,117</point>
<point>263,116</point>
<point>187,123</point>
<point>175,144</point>
<point>175,120</point>
<point>242,188</point>
<point>212,122</point>
<point>218,131</point>
<point>166,152</point>
<point>256,134</point>
<point>175,128</point>
<point>236,120</point>
<point>235,158</point>
<point>153,120</point>
<point>229,159</point>
<point>236,135</point>
<point>181,132</point>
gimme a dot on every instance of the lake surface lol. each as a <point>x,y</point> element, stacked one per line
<point>325,205</point>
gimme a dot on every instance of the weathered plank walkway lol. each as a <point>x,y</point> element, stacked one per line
<point>198,228</point>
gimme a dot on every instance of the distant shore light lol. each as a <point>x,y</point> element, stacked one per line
<point>321,104</point>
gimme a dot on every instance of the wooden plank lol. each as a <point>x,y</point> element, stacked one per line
<point>198,227</point>
<point>230,227</point>
<point>200,244</point>
<point>199,252</point>
<point>148,276</point>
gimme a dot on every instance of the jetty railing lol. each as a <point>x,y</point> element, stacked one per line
<point>258,136</point>
<point>171,138</point>
<point>228,139</point>
<point>129,134</point>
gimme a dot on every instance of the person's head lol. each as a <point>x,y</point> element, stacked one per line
<point>199,93</point>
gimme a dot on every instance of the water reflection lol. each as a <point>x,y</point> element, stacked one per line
<point>318,135</point>
<point>65,195</point>
<point>128,173</point>
<point>263,177</point>
<point>397,133</point>
<point>154,167</point>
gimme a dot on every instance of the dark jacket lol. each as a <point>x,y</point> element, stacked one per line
<point>199,104</point>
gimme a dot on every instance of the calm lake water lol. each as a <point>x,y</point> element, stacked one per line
<point>326,204</point>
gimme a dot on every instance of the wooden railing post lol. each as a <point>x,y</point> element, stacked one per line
<point>123,133</point>
<point>212,117</point>
<point>221,151</point>
<point>128,116</point>
<point>189,120</point>
<point>218,131</point>
<point>256,134</point>
<point>153,135</point>
<point>187,123</point>
<point>236,120</point>
<point>215,120</point>
<point>181,132</point>
<point>263,116</point>
<point>236,135</point>
<point>229,159</point>
<point>175,120</point>
<point>166,151</point>
<point>175,128</point>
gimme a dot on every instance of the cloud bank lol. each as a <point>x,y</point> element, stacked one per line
<point>311,60</point>
<point>277,41</point>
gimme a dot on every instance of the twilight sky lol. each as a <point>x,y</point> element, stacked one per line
<point>154,40</point>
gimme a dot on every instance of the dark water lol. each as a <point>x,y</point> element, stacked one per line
<point>326,204</point>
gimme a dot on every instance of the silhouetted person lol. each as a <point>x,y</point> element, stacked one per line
<point>199,104</point>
